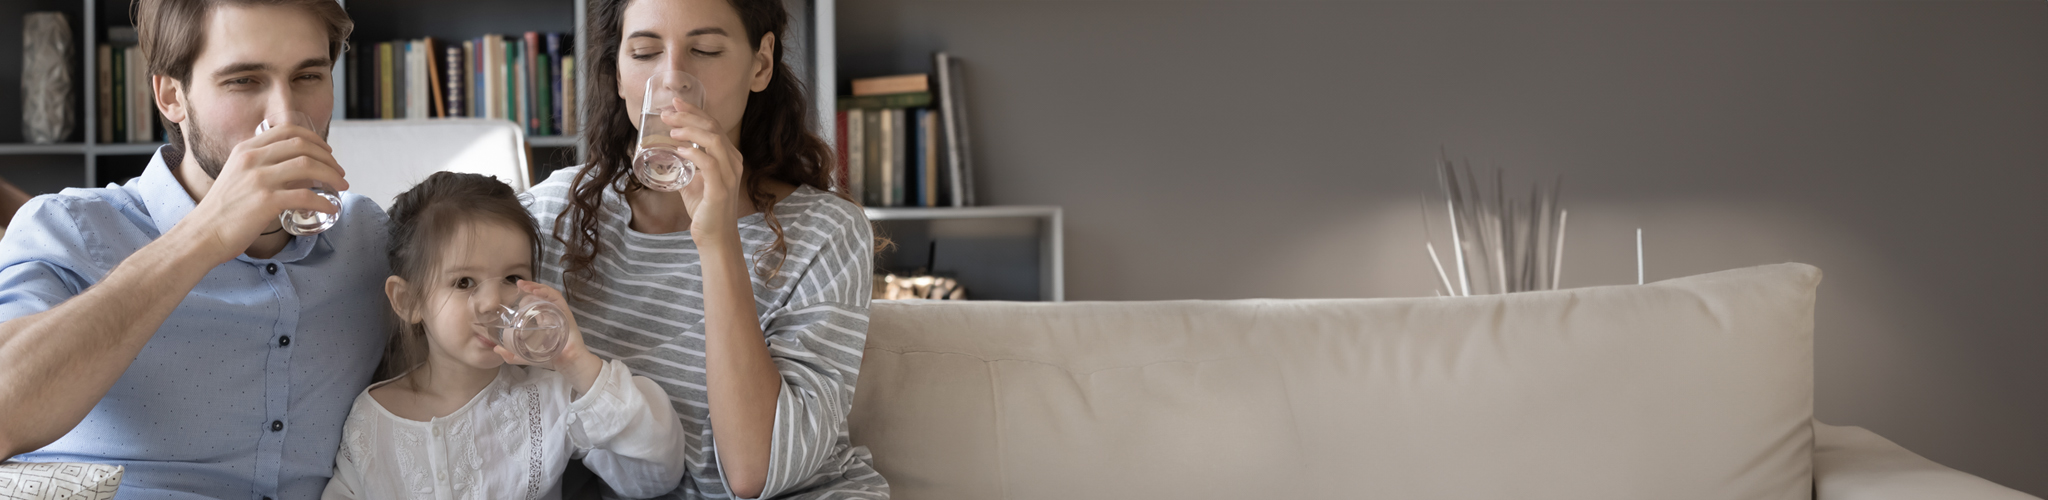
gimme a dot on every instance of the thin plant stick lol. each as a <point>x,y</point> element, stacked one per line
<point>1431,247</point>
<point>1429,243</point>
<point>1557,262</point>
<point>1448,178</point>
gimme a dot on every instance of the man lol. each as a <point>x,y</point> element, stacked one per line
<point>168,324</point>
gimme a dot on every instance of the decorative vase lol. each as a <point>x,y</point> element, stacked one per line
<point>47,111</point>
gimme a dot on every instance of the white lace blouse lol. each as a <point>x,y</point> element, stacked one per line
<point>514,440</point>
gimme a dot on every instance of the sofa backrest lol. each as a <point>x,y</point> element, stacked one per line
<point>1698,387</point>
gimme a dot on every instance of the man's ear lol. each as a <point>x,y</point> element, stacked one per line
<point>401,300</point>
<point>764,63</point>
<point>170,98</point>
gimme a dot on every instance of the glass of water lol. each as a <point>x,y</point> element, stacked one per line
<point>656,164</point>
<point>529,326</point>
<point>304,222</point>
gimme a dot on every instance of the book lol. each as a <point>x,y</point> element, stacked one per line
<point>899,154</point>
<point>522,83</point>
<point>952,100</point>
<point>856,154</point>
<point>415,90</point>
<point>509,81</point>
<point>572,119</point>
<point>871,121</point>
<point>551,90</point>
<point>438,102</point>
<point>384,90</point>
<point>913,149</point>
<point>118,98</point>
<point>451,79</point>
<point>401,90</point>
<point>138,85</point>
<point>904,100</point>
<point>494,76</point>
<point>529,75</point>
<point>928,162</point>
<point>106,93</point>
<point>897,84</point>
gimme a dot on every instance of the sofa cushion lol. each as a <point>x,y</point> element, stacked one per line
<point>59,481</point>
<point>1697,387</point>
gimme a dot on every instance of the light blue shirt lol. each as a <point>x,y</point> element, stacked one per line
<point>243,390</point>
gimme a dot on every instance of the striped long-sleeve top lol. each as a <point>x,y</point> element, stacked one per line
<point>645,306</point>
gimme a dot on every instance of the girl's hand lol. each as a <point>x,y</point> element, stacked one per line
<point>714,198</point>
<point>575,361</point>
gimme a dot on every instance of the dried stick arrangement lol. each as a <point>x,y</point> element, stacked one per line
<point>1498,244</point>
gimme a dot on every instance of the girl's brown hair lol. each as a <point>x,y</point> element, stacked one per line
<point>775,137</point>
<point>422,221</point>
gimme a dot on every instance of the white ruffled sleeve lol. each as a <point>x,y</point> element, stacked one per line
<point>627,433</point>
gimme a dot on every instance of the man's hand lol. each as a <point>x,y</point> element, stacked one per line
<point>264,176</point>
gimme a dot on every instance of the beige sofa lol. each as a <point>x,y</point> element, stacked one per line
<point>1698,387</point>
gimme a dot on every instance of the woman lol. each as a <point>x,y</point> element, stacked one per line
<point>745,294</point>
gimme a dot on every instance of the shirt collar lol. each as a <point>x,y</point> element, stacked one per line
<point>168,203</point>
<point>161,192</point>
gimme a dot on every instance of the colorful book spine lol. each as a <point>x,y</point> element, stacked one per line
<point>451,81</point>
<point>108,109</point>
<point>928,162</point>
<point>914,155</point>
<point>138,84</point>
<point>551,86</point>
<point>871,137</point>
<point>119,97</point>
<point>572,112</point>
<point>384,90</point>
<point>531,76</point>
<point>953,118</point>
<point>431,52</point>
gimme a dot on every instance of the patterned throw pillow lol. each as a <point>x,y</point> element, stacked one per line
<point>58,481</point>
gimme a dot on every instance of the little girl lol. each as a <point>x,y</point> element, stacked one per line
<point>465,420</point>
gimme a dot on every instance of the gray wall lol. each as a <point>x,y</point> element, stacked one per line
<point>1231,149</point>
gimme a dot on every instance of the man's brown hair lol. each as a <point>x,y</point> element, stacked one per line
<point>172,32</point>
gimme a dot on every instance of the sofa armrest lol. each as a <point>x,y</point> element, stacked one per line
<point>1852,463</point>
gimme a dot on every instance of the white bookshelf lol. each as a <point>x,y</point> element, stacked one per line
<point>1008,237</point>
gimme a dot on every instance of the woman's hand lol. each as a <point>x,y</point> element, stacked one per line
<point>715,198</point>
<point>575,361</point>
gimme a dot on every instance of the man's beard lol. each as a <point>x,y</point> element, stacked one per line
<point>208,150</point>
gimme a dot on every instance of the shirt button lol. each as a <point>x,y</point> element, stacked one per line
<point>285,341</point>
<point>443,475</point>
<point>437,432</point>
<point>276,425</point>
<point>272,268</point>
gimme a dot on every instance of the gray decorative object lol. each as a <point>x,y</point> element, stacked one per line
<point>47,112</point>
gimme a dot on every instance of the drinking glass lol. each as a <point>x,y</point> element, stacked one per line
<point>304,222</point>
<point>531,327</point>
<point>657,165</point>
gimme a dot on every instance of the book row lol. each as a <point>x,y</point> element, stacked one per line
<point>528,79</point>
<point>902,140</point>
<point>127,112</point>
